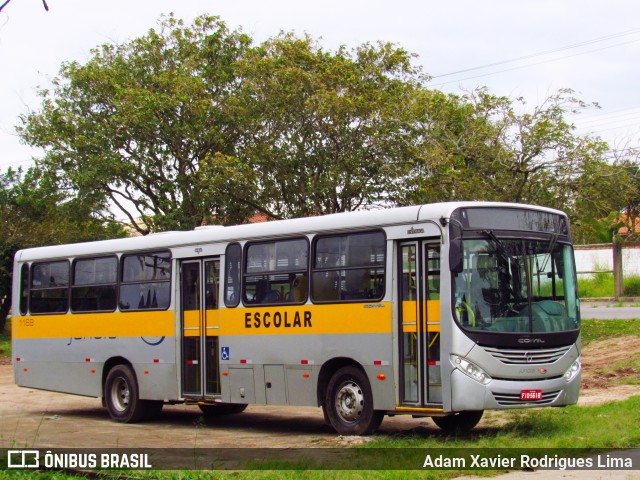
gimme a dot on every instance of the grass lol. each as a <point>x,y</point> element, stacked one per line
<point>601,285</point>
<point>612,425</point>
<point>603,329</point>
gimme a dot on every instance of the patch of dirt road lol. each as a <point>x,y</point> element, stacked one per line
<point>33,418</point>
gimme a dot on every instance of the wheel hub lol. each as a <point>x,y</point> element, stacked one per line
<point>120,394</point>
<point>349,401</point>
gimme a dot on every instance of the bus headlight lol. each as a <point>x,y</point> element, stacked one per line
<point>572,371</point>
<point>470,369</point>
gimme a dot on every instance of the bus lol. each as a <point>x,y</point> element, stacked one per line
<point>439,310</point>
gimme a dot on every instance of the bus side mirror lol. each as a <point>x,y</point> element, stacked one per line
<point>455,256</point>
<point>455,247</point>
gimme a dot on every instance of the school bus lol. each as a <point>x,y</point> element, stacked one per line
<point>439,310</point>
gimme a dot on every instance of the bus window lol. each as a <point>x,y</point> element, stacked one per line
<point>232,263</point>
<point>349,267</point>
<point>146,281</point>
<point>24,289</point>
<point>49,291</point>
<point>94,285</point>
<point>276,272</point>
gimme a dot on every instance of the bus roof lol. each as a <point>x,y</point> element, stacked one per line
<point>299,226</point>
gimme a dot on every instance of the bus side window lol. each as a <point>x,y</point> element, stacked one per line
<point>49,292</point>
<point>94,284</point>
<point>275,273</point>
<point>146,281</point>
<point>349,267</point>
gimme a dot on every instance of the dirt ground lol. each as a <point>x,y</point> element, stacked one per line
<point>600,381</point>
<point>33,418</point>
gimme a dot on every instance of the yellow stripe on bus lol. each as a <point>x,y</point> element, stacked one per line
<point>116,324</point>
<point>191,323</point>
<point>359,318</point>
<point>409,316</point>
<point>307,319</point>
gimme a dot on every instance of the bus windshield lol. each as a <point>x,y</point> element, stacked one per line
<point>519,286</point>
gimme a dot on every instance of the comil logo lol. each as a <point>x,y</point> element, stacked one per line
<point>528,341</point>
<point>23,459</point>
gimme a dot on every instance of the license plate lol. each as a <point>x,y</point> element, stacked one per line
<point>530,394</point>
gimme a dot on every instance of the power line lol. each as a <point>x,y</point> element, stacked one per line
<point>533,64</point>
<point>545,52</point>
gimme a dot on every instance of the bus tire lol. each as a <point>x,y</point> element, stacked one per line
<point>222,409</point>
<point>461,422</point>
<point>348,403</point>
<point>121,395</point>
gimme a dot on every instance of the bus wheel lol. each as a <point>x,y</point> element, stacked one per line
<point>222,409</point>
<point>348,403</point>
<point>121,395</point>
<point>461,422</point>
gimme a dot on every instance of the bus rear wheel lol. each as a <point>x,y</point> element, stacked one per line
<point>461,422</point>
<point>121,395</point>
<point>348,403</point>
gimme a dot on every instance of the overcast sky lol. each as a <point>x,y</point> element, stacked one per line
<point>590,46</point>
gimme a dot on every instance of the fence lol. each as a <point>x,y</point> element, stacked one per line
<point>621,259</point>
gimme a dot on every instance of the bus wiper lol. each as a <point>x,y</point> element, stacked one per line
<point>497,241</point>
<point>550,247</point>
<point>500,248</point>
<point>552,243</point>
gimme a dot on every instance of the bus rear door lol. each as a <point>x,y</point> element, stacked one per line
<point>199,281</point>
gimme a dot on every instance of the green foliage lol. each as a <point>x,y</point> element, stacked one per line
<point>35,212</point>
<point>593,230</point>
<point>632,286</point>
<point>133,124</point>
<point>600,285</point>
<point>604,329</point>
<point>5,341</point>
<point>512,153</point>
<point>192,122</point>
<point>323,131</point>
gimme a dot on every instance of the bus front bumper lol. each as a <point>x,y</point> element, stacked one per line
<point>468,394</point>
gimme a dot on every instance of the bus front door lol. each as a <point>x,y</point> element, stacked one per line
<point>419,315</point>
<point>199,281</point>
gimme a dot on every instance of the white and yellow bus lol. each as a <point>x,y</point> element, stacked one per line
<point>441,310</point>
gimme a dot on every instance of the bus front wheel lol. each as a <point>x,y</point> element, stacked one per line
<point>461,422</point>
<point>348,403</point>
<point>121,395</point>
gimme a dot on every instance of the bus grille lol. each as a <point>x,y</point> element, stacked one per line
<point>514,398</point>
<point>527,357</point>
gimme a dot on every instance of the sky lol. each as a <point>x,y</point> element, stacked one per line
<point>517,48</point>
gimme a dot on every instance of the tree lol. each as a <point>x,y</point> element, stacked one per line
<point>34,213</point>
<point>193,122</point>
<point>141,125</point>
<point>322,131</point>
<point>456,145</point>
<point>483,147</point>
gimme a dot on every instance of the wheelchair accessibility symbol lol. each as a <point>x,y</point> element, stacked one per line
<point>224,353</point>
